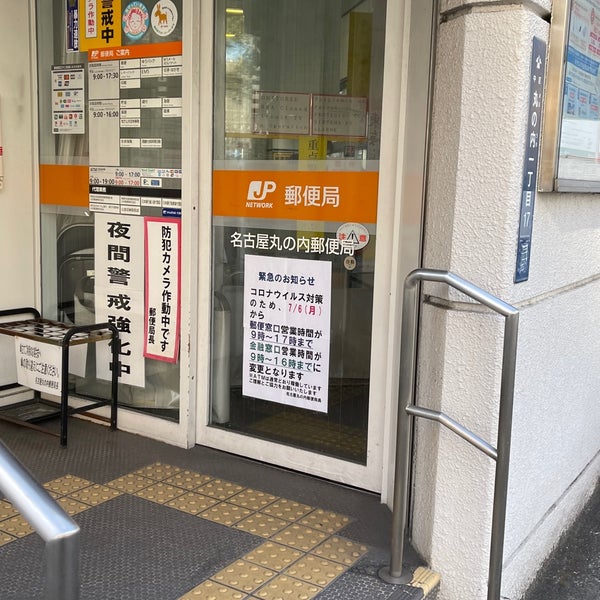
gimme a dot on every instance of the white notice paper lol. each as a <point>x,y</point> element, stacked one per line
<point>287,314</point>
<point>119,293</point>
<point>39,365</point>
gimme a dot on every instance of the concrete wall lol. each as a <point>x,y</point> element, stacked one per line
<point>476,165</point>
<point>16,199</point>
<point>18,255</point>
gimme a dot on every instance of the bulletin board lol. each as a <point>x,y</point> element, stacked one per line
<point>570,151</point>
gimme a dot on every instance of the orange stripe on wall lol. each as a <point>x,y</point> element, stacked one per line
<point>141,51</point>
<point>335,196</point>
<point>64,185</point>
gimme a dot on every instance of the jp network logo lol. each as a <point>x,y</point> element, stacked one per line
<point>259,190</point>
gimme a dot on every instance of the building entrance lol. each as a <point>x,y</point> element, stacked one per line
<point>297,114</point>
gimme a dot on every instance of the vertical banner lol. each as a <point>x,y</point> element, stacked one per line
<point>531,158</point>
<point>72,25</point>
<point>287,315</point>
<point>119,268</point>
<point>163,288</point>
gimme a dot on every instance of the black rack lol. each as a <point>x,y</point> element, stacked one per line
<point>65,336</point>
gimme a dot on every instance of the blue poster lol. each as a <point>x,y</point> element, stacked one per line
<point>72,26</point>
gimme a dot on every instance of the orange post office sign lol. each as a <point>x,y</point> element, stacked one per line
<point>335,196</point>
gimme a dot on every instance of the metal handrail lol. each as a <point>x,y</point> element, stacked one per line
<point>52,523</point>
<point>407,411</point>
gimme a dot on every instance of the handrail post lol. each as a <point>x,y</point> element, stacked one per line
<point>408,335</point>
<point>507,386</point>
<point>407,411</point>
<point>51,522</point>
<point>62,568</point>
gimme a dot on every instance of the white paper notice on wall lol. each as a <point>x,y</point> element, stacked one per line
<point>163,288</point>
<point>119,293</point>
<point>39,365</point>
<point>287,315</point>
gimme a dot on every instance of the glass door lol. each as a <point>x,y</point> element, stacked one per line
<point>297,112</point>
<point>111,111</point>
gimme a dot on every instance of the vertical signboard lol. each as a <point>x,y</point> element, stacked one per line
<point>72,26</point>
<point>119,268</point>
<point>531,158</point>
<point>163,285</point>
<point>287,313</point>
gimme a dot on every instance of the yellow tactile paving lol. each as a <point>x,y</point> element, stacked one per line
<point>160,492</point>
<point>289,588</point>
<point>225,514</point>
<point>340,550</point>
<point>299,537</point>
<point>95,494</point>
<point>219,489</point>
<point>187,480</point>
<point>67,484</point>
<point>192,503</point>
<point>300,558</point>
<point>158,471</point>
<point>16,526</point>
<point>71,506</point>
<point>210,590</point>
<point>325,521</point>
<point>263,525</point>
<point>287,509</point>
<point>274,556</point>
<point>253,499</point>
<point>5,538</point>
<point>130,483</point>
<point>244,576</point>
<point>315,570</point>
<point>7,510</point>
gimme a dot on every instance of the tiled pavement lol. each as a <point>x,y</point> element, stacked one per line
<point>159,522</point>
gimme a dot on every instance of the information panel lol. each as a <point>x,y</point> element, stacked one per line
<point>580,139</point>
<point>287,313</point>
<point>135,111</point>
<point>281,113</point>
<point>68,99</point>
<point>570,158</point>
<point>291,113</point>
<point>339,116</point>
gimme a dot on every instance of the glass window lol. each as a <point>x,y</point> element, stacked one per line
<point>110,102</point>
<point>296,148</point>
